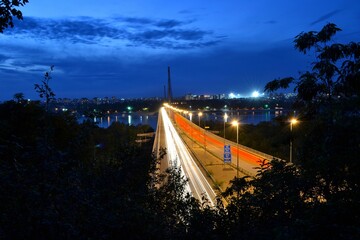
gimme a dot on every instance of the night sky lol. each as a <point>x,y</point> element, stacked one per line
<point>123,48</point>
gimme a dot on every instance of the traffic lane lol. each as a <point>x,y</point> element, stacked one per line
<point>199,136</point>
<point>197,182</point>
<point>245,166</point>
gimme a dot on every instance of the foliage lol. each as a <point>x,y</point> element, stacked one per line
<point>90,183</point>
<point>328,99</point>
<point>282,202</point>
<point>44,89</point>
<point>8,10</point>
<point>19,97</point>
<point>335,77</point>
<point>64,192</point>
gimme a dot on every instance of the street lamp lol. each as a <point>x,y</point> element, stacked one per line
<point>191,129</point>
<point>205,127</point>
<point>292,122</point>
<point>225,120</point>
<point>236,123</point>
<point>199,115</point>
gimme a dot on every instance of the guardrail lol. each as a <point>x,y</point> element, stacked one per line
<point>233,144</point>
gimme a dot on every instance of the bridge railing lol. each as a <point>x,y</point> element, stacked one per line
<point>233,144</point>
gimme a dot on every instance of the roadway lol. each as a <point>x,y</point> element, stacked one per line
<point>245,158</point>
<point>178,155</point>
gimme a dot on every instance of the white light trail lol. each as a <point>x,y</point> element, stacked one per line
<point>179,156</point>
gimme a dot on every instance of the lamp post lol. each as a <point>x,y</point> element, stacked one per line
<point>225,120</point>
<point>292,122</point>
<point>191,129</point>
<point>205,127</point>
<point>199,115</point>
<point>236,123</point>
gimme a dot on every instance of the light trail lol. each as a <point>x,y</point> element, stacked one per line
<point>178,155</point>
<point>249,158</point>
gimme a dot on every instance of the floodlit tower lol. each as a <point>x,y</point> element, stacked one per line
<point>169,86</point>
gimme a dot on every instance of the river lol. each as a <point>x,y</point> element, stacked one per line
<point>244,116</point>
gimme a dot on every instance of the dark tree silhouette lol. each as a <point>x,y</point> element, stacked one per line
<point>335,76</point>
<point>8,10</point>
<point>19,97</point>
<point>44,89</point>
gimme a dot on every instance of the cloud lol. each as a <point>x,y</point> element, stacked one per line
<point>12,66</point>
<point>174,34</point>
<point>169,23</point>
<point>325,17</point>
<point>119,31</point>
<point>136,20</point>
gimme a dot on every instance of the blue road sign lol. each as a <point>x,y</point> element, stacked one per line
<point>227,154</point>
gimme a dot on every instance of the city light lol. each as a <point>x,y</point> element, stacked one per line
<point>255,94</point>
<point>293,121</point>
<point>233,95</point>
<point>234,123</point>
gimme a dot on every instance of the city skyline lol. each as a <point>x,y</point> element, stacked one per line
<point>124,49</point>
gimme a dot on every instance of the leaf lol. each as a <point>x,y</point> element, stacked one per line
<point>307,88</point>
<point>284,83</point>
<point>278,83</point>
<point>333,52</point>
<point>272,86</point>
<point>305,41</point>
<point>327,32</point>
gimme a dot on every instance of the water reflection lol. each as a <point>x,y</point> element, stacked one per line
<point>246,117</point>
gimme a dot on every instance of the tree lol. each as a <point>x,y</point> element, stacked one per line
<point>19,97</point>
<point>335,76</point>
<point>44,89</point>
<point>8,10</point>
<point>328,97</point>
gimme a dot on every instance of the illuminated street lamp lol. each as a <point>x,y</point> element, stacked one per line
<point>205,127</point>
<point>292,122</point>
<point>225,120</point>
<point>191,129</point>
<point>236,123</point>
<point>199,115</point>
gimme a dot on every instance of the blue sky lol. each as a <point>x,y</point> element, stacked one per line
<point>122,48</point>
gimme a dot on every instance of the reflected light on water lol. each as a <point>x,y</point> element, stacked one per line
<point>129,119</point>
<point>267,116</point>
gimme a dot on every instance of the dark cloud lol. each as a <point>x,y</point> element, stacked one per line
<point>169,23</point>
<point>174,34</point>
<point>136,20</point>
<point>79,30</point>
<point>146,32</point>
<point>3,57</point>
<point>177,39</point>
<point>325,17</point>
